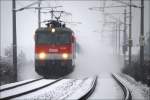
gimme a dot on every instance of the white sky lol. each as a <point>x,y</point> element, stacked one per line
<point>27,22</point>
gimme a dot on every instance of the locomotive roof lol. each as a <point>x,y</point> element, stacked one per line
<point>46,29</point>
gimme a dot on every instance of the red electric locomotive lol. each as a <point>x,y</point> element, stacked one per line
<point>54,50</point>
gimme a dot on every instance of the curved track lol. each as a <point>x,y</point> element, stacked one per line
<point>127,93</point>
<point>91,90</point>
<point>12,92</point>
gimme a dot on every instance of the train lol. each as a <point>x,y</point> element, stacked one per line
<point>54,50</point>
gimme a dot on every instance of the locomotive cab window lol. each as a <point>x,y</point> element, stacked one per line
<point>47,38</point>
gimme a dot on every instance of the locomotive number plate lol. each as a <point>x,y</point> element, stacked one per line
<point>53,50</point>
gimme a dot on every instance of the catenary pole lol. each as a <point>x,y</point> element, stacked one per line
<point>142,35</point>
<point>119,33</point>
<point>39,14</point>
<point>14,39</point>
<point>0,30</point>
<point>130,34</point>
<point>125,34</point>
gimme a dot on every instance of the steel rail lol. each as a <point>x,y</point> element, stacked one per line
<point>91,90</point>
<point>11,87</point>
<point>127,93</point>
<point>30,91</point>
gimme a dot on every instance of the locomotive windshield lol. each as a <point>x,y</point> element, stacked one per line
<point>53,38</point>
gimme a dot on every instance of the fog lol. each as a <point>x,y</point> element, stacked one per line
<point>96,50</point>
<point>95,57</point>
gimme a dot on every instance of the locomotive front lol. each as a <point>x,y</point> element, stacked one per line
<point>54,51</point>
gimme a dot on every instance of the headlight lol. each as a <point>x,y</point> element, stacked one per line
<point>42,55</point>
<point>65,56</point>
<point>53,30</point>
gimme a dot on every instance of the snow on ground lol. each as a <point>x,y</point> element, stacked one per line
<point>138,90</point>
<point>14,84</point>
<point>84,89</point>
<point>107,89</point>
<point>24,88</point>
<point>61,90</point>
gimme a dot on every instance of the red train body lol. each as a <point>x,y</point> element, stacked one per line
<point>54,51</point>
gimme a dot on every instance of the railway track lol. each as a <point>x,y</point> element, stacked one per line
<point>127,93</point>
<point>80,92</point>
<point>90,91</point>
<point>16,91</point>
<point>18,85</point>
<point>28,88</point>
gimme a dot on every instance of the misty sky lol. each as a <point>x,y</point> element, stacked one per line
<point>27,22</point>
<point>92,22</point>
